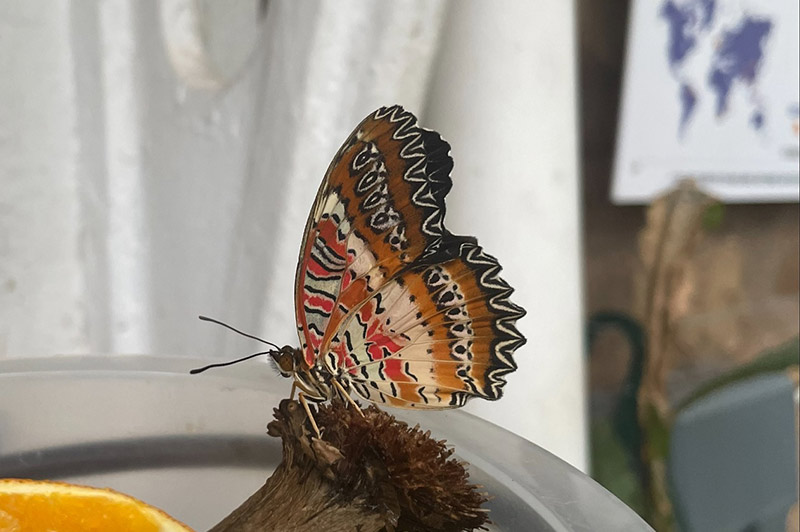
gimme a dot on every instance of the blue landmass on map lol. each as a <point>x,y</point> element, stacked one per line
<point>757,119</point>
<point>681,40</point>
<point>686,22</point>
<point>688,102</point>
<point>738,58</point>
<point>707,9</point>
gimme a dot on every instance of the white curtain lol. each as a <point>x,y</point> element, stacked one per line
<point>158,161</point>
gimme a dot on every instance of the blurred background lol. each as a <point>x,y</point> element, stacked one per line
<point>633,166</point>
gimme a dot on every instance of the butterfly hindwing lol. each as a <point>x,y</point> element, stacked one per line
<point>379,209</point>
<point>436,335</point>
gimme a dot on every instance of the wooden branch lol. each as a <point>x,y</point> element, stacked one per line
<point>666,245</point>
<point>367,473</point>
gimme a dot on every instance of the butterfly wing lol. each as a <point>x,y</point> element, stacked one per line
<point>379,209</point>
<point>410,314</point>
<point>438,334</point>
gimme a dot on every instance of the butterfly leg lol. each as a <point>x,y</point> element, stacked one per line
<point>347,395</point>
<point>301,396</point>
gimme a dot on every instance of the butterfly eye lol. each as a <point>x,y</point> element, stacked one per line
<point>284,362</point>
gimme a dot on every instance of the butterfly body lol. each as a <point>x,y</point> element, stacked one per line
<point>315,382</point>
<point>388,302</point>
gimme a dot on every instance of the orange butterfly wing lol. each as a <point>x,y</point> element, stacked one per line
<point>379,208</point>
<point>408,313</point>
<point>436,335</point>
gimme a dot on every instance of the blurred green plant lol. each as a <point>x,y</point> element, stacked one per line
<point>617,442</point>
<point>713,216</point>
<point>774,360</point>
<point>611,466</point>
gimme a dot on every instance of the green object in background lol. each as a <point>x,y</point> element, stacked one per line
<point>777,359</point>
<point>713,216</point>
<point>617,442</point>
<point>611,467</point>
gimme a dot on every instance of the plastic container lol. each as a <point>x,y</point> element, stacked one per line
<point>196,446</point>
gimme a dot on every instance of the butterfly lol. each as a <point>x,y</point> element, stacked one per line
<point>388,302</point>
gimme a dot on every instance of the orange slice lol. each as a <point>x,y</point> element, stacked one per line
<point>30,505</point>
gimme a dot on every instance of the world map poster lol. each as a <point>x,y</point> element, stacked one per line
<point>711,92</point>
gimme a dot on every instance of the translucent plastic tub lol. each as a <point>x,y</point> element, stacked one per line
<point>196,446</point>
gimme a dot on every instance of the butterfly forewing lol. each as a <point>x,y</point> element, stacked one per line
<point>379,208</point>
<point>410,314</point>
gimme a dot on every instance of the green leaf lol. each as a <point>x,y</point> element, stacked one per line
<point>713,216</point>
<point>774,360</point>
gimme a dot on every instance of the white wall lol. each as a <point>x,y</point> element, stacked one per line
<point>151,170</point>
<point>42,292</point>
<point>134,199</point>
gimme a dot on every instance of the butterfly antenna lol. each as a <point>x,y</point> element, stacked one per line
<point>222,364</point>
<point>252,337</point>
<point>248,357</point>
